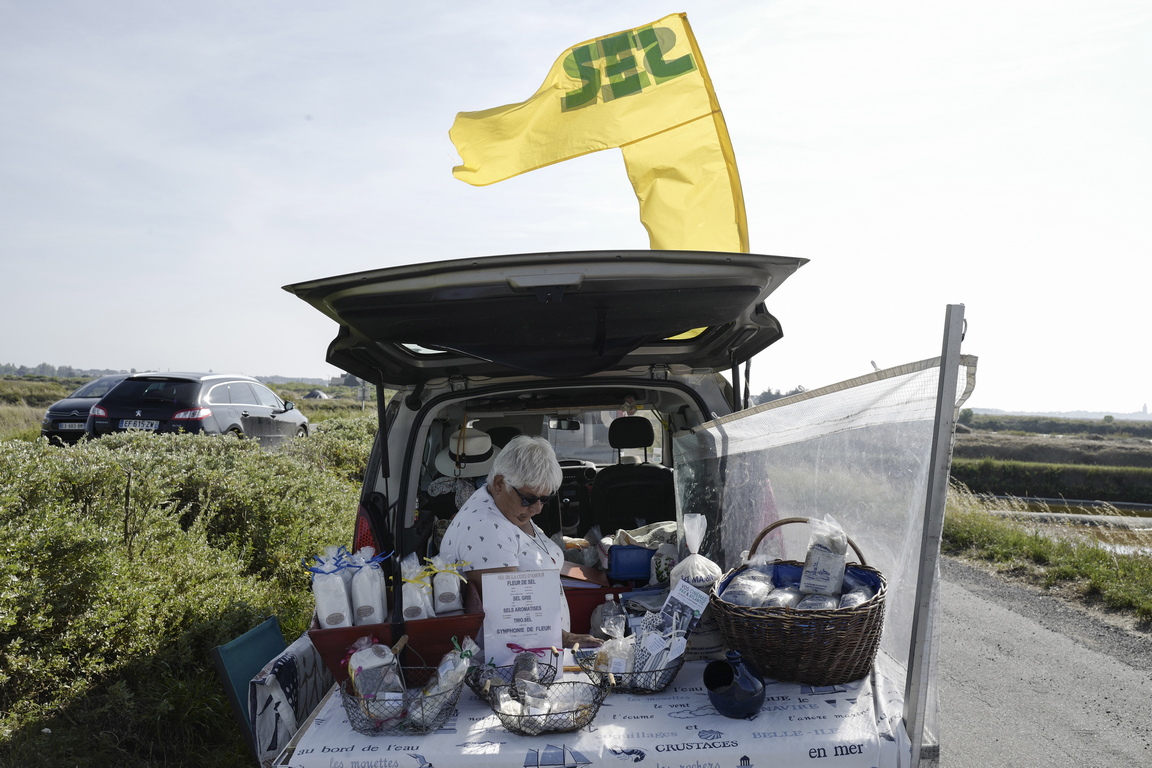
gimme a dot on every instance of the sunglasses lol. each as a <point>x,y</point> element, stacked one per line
<point>527,501</point>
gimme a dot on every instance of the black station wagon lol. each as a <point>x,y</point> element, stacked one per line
<point>212,403</point>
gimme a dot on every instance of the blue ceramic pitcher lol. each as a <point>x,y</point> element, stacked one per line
<point>734,686</point>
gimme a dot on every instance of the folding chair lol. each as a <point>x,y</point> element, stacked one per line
<point>240,660</point>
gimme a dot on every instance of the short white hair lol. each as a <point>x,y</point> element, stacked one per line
<point>528,462</point>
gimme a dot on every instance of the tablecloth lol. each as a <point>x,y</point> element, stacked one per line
<point>857,724</point>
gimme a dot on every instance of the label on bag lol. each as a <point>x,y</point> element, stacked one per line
<point>823,572</point>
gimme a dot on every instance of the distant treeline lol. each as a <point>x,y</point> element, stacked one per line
<point>1048,425</point>
<point>1055,481</point>
<point>48,371</point>
<point>770,394</point>
<point>57,371</point>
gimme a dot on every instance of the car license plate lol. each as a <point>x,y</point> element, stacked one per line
<point>139,424</point>
<point>70,425</point>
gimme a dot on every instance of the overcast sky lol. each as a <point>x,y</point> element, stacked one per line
<point>166,167</point>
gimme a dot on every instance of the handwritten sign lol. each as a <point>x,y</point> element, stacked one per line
<point>521,611</point>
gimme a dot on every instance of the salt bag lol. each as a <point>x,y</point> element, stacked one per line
<point>417,590</point>
<point>782,597</point>
<point>854,598</point>
<point>749,588</point>
<point>827,555</point>
<point>369,596</point>
<point>447,582</point>
<point>329,588</point>
<point>818,603</point>
<point>696,569</point>
<point>425,711</point>
<point>374,669</point>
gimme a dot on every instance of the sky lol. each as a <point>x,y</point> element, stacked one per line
<point>166,167</point>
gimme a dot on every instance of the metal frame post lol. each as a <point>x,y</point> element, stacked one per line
<point>920,652</point>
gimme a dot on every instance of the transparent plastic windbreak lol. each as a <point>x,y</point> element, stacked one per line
<point>859,451</point>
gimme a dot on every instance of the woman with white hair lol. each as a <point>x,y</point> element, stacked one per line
<point>493,532</point>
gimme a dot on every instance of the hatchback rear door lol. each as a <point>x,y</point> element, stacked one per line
<point>555,315</point>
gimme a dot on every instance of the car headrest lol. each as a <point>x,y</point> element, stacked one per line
<point>631,432</point>
<point>500,435</point>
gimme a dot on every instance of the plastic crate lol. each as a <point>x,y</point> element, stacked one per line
<point>431,638</point>
<point>628,562</point>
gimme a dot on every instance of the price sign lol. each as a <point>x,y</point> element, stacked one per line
<point>521,612</point>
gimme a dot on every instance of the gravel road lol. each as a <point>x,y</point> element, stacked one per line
<point>1030,679</point>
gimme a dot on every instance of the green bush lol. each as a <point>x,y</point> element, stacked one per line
<point>127,560</point>
<point>340,445</point>
<point>321,410</point>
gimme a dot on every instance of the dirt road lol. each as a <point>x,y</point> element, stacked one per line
<point>1029,679</point>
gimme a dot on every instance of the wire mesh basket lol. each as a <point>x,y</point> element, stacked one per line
<point>570,706</point>
<point>411,711</point>
<point>484,679</point>
<point>652,681</point>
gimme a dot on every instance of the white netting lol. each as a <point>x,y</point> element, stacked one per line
<point>858,451</point>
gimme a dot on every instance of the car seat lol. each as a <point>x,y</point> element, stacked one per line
<point>632,495</point>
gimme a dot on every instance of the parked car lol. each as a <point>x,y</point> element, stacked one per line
<point>212,403</point>
<point>64,420</point>
<point>564,345</point>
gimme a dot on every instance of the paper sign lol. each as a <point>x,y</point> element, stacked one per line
<point>683,607</point>
<point>521,612</point>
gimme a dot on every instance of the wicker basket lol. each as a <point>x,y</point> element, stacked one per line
<point>822,647</point>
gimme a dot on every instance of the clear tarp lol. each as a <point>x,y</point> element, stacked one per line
<point>859,451</point>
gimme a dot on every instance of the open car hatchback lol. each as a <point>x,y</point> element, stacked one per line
<point>579,347</point>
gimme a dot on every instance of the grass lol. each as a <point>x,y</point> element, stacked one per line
<point>36,392</point>
<point>1087,566</point>
<point>19,421</point>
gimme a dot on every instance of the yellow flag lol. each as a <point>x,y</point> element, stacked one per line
<point>645,90</point>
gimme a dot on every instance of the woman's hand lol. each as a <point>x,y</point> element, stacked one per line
<point>585,641</point>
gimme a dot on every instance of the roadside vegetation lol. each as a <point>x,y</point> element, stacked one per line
<point>1001,461</point>
<point>1106,567</point>
<point>128,558</point>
